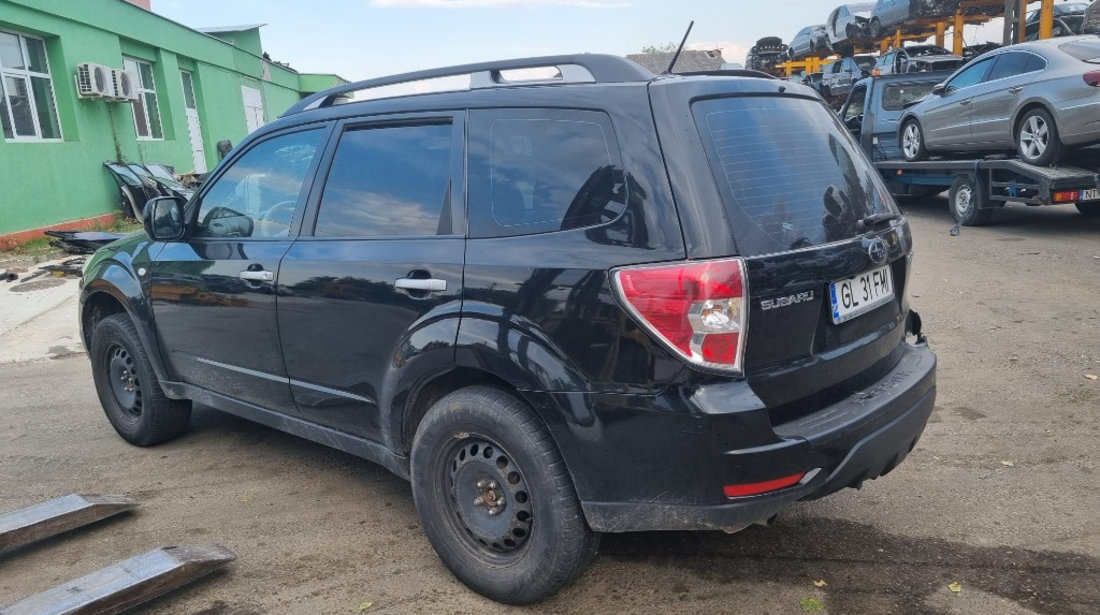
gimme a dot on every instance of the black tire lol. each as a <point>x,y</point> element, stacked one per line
<point>911,141</point>
<point>876,29</point>
<point>851,31</point>
<point>965,201</point>
<point>479,446</point>
<point>128,387</point>
<point>1037,140</point>
<point>1090,210</point>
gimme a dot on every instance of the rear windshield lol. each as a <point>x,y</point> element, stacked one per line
<point>1089,51</point>
<point>790,175</point>
<point>865,62</point>
<point>896,97</point>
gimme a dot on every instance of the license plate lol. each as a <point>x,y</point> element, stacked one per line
<point>1090,195</point>
<point>861,293</point>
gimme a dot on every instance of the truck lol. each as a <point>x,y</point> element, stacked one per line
<point>976,185</point>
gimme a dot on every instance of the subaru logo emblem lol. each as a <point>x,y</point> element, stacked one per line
<point>878,251</point>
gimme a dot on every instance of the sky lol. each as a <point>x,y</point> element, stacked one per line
<point>361,39</point>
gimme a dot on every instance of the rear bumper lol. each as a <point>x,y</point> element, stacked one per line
<point>858,438</point>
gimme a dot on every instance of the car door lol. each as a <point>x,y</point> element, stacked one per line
<point>213,292</point>
<point>946,118</point>
<point>369,286</point>
<point>996,98</point>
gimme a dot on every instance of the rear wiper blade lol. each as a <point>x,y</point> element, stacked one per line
<point>873,220</point>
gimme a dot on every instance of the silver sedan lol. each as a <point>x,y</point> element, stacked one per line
<point>1035,98</point>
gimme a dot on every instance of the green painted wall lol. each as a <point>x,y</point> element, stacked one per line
<point>46,183</point>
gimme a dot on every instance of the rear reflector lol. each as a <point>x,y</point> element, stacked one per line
<point>697,309</point>
<point>736,491</point>
<point>1092,78</point>
<point>1066,196</point>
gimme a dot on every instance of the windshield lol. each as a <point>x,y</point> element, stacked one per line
<point>790,175</point>
<point>865,62</point>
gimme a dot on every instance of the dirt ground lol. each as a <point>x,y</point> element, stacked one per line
<point>999,496</point>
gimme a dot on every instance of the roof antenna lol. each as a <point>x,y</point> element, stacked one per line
<point>668,71</point>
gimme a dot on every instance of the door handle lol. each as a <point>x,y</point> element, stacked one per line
<point>964,102</point>
<point>258,276</point>
<point>431,284</point>
<point>1017,89</point>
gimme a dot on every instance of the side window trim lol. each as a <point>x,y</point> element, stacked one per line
<point>458,170</point>
<point>195,204</point>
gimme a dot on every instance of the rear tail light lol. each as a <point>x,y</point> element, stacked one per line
<point>1066,196</point>
<point>1092,78</point>
<point>697,309</point>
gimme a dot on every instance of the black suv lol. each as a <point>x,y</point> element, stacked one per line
<point>600,301</point>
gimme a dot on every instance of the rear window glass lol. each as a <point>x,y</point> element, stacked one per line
<point>895,97</point>
<point>865,62</point>
<point>1089,51</point>
<point>790,175</point>
<point>542,171</point>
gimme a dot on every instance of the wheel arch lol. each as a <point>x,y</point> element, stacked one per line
<point>114,290</point>
<point>1023,110</point>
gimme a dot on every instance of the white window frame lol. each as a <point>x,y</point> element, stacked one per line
<point>27,74</point>
<point>143,89</point>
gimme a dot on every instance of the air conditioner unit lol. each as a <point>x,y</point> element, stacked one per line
<point>125,84</point>
<point>94,81</point>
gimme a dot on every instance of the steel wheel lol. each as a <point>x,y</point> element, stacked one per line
<point>125,385</point>
<point>963,202</point>
<point>489,498</point>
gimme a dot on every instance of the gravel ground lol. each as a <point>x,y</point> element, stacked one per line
<point>1000,495</point>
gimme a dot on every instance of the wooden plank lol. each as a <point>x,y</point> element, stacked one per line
<point>26,525</point>
<point>127,584</point>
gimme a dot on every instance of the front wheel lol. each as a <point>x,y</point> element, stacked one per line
<point>495,498</point>
<point>128,387</point>
<point>1037,139</point>
<point>966,202</point>
<point>876,29</point>
<point>912,142</point>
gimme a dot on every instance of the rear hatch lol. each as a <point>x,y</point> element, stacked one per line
<point>825,248</point>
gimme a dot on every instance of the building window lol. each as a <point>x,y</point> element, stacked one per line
<point>146,111</point>
<point>28,111</point>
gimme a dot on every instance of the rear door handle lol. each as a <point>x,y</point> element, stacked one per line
<point>431,284</point>
<point>1017,89</point>
<point>258,276</point>
<point>964,102</point>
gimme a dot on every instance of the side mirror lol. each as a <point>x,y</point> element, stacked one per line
<point>163,217</point>
<point>939,89</point>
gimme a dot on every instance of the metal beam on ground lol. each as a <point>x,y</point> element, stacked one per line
<point>40,521</point>
<point>127,584</point>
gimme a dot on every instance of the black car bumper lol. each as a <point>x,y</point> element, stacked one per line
<point>656,482</point>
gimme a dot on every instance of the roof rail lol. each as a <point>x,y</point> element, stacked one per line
<point>600,68</point>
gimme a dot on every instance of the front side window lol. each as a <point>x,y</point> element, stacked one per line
<point>389,181</point>
<point>258,195</point>
<point>146,109</point>
<point>542,171</point>
<point>28,111</point>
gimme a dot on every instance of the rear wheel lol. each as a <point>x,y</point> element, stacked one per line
<point>912,142</point>
<point>966,202</point>
<point>128,387</point>
<point>495,498</point>
<point>1037,139</point>
<point>1089,209</point>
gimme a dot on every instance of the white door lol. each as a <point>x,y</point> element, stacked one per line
<point>253,107</point>
<point>194,128</point>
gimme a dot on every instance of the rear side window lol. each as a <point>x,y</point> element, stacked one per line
<point>790,175</point>
<point>1088,51</point>
<point>388,181</point>
<point>1012,64</point>
<point>538,171</point>
<point>895,97</point>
